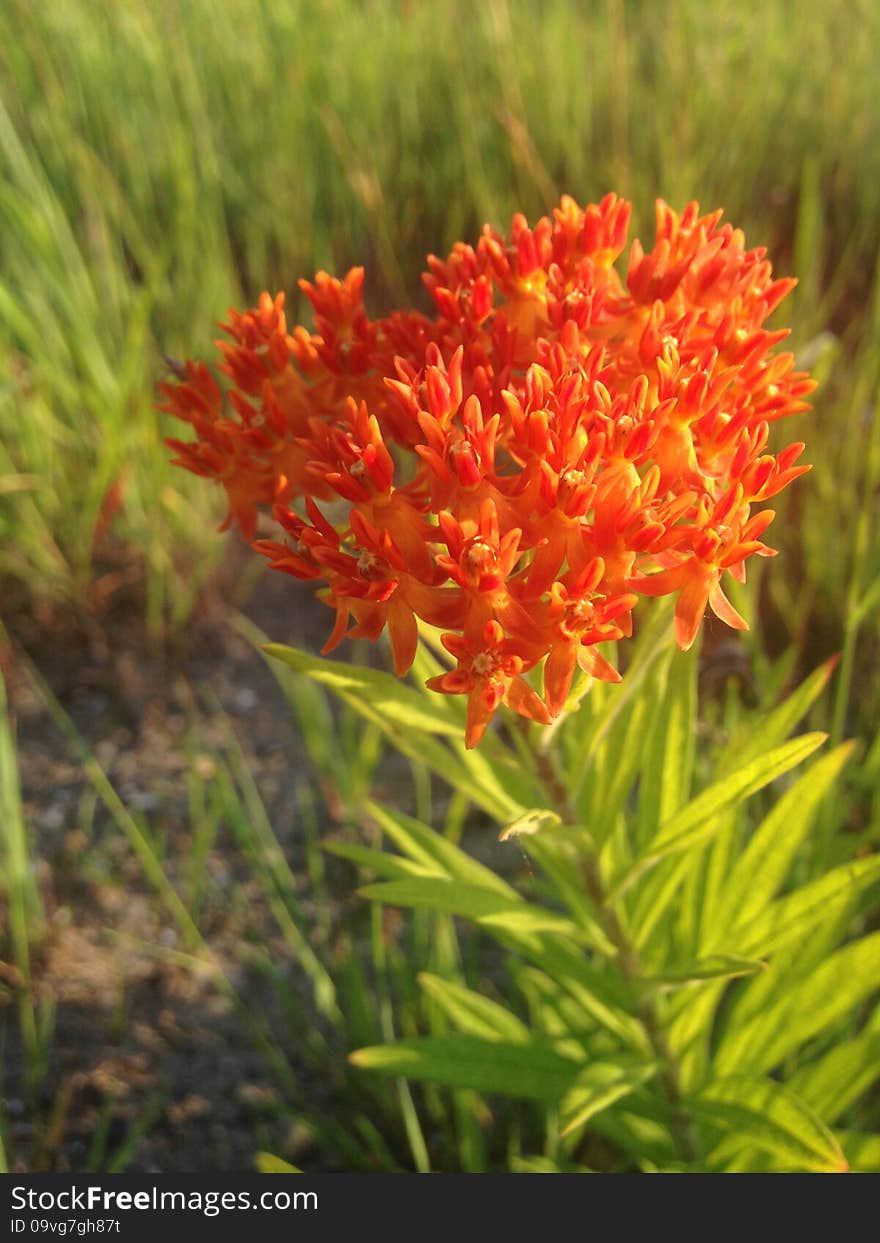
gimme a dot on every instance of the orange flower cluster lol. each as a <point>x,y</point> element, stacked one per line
<point>519,467</point>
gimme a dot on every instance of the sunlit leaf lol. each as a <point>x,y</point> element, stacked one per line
<point>385,693</point>
<point>791,918</point>
<point>473,1013</point>
<point>764,734</point>
<point>712,967</point>
<point>835,1082</point>
<point>417,727</point>
<point>698,821</point>
<point>815,1003</point>
<point>381,861</point>
<point>267,1163</point>
<point>761,868</point>
<point>560,857</point>
<point>435,852</point>
<point>526,919</point>
<point>485,906</point>
<point>666,778</point>
<point>597,1087</point>
<point>533,1070</point>
<point>862,1151</point>
<point>771,1117</point>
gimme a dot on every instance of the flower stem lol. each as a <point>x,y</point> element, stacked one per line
<point>629,963</point>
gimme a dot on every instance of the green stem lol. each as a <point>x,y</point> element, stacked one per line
<point>629,963</point>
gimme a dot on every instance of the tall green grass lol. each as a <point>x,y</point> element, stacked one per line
<point>160,161</point>
<point>25,923</point>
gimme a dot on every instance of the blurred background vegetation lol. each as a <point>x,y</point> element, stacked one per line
<point>163,160</point>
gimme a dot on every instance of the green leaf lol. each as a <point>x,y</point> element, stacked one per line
<point>697,822</point>
<point>769,1116</point>
<point>653,899</point>
<point>791,918</point>
<point>472,1013</point>
<point>863,1152</point>
<point>472,891</point>
<point>617,768</point>
<point>526,920</point>
<point>437,893</point>
<point>418,727</point>
<point>647,1139</point>
<point>588,732</point>
<point>435,852</point>
<point>836,1081</point>
<point>533,1070</point>
<point>267,1163</point>
<point>381,861</point>
<point>665,780</point>
<point>712,967</point>
<point>485,906</point>
<point>762,867</point>
<point>553,1012</point>
<point>387,694</point>
<point>597,1087</point>
<point>508,788</point>
<point>758,734</point>
<point>763,735</point>
<point>560,856</point>
<point>828,993</point>
<point>689,825</point>
<point>602,995</point>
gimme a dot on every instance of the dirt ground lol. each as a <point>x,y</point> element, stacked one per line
<point>142,1042</point>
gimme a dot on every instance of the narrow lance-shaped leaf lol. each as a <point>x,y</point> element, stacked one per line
<point>268,1163</point>
<point>597,1087</point>
<point>761,868</point>
<point>698,821</point>
<point>603,995</point>
<point>483,906</point>
<point>862,1151</point>
<point>769,733</point>
<point>835,1082</point>
<point>472,1013</point>
<point>559,856</point>
<point>828,993</point>
<point>664,784</point>
<point>434,851</point>
<point>534,1071</point>
<point>391,866</point>
<point>712,967</point>
<point>589,734</point>
<point>412,723</point>
<point>387,694</point>
<point>792,917</point>
<point>767,1115</point>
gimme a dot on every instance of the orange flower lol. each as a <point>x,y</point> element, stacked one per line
<point>521,467</point>
<point>489,671</point>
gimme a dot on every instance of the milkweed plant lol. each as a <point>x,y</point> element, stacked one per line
<point>499,486</point>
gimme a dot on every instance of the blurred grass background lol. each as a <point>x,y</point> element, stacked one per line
<point>161,160</point>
